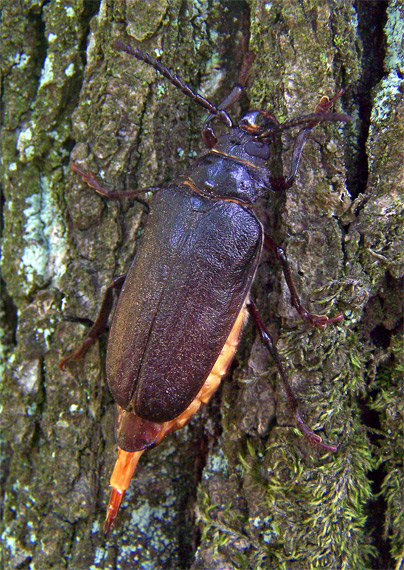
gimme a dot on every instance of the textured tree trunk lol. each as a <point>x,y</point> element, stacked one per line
<point>239,487</point>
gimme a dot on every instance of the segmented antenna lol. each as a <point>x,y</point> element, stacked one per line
<point>176,81</point>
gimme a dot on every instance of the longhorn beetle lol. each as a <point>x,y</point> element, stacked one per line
<point>186,297</point>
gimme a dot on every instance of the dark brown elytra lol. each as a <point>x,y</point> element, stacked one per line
<point>184,301</point>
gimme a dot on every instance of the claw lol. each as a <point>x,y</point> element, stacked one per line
<point>90,179</point>
<point>320,321</point>
<point>313,438</point>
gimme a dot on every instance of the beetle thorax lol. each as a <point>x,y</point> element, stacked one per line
<point>236,168</point>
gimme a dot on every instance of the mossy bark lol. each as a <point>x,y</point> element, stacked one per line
<point>238,487</point>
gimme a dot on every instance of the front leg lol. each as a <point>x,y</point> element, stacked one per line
<point>91,179</point>
<point>315,320</point>
<point>208,134</point>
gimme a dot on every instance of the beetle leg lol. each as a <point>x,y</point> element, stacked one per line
<point>208,134</point>
<point>309,122</point>
<point>297,154</point>
<point>90,179</point>
<point>285,182</point>
<point>313,438</point>
<point>100,323</point>
<point>315,320</point>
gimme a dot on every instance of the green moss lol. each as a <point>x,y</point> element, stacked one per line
<point>220,526</point>
<point>394,36</point>
<point>145,18</point>
<point>389,405</point>
<point>326,533</point>
<point>389,91</point>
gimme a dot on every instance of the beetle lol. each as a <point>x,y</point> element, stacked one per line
<point>183,304</point>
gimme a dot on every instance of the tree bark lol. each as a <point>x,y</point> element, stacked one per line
<point>239,487</point>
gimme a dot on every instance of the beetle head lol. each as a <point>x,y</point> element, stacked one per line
<point>250,141</point>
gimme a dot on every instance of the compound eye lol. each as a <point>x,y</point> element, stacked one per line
<point>258,149</point>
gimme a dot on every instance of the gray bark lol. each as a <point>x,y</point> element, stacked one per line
<point>239,487</point>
